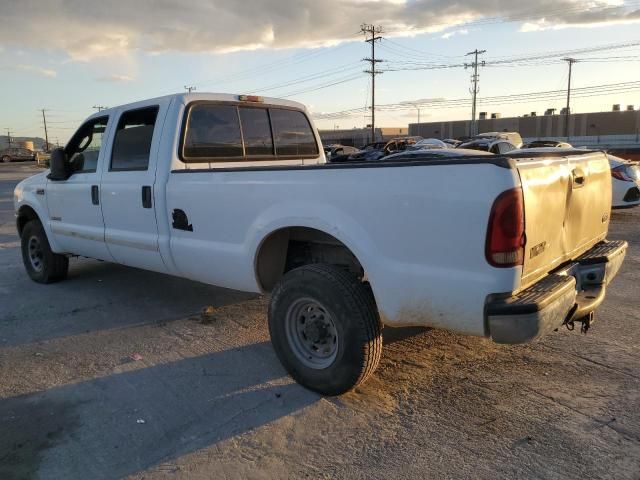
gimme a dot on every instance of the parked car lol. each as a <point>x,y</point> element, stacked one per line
<point>547,144</point>
<point>452,142</point>
<point>489,145</point>
<point>235,191</point>
<point>336,151</point>
<point>378,150</point>
<point>625,182</point>
<point>428,144</point>
<point>511,137</point>
<point>13,154</point>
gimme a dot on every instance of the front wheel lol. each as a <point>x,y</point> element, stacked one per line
<point>6,158</point>
<point>325,328</point>
<point>42,265</point>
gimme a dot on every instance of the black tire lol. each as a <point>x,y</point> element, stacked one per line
<point>6,158</point>
<point>351,308</point>
<point>46,267</point>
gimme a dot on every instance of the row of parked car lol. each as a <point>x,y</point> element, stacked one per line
<point>625,174</point>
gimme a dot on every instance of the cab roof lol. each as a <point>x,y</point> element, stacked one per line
<point>186,97</point>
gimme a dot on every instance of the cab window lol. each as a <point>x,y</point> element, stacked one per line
<point>213,131</point>
<point>84,147</point>
<point>292,133</point>
<point>224,132</point>
<point>132,141</point>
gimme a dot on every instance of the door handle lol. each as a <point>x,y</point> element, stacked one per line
<point>146,196</point>
<point>578,178</point>
<point>95,195</point>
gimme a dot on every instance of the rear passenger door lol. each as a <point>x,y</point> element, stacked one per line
<point>127,188</point>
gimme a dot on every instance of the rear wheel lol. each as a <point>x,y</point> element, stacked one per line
<point>42,265</point>
<point>325,328</point>
<point>6,158</point>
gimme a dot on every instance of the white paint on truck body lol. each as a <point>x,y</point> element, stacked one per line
<point>419,231</point>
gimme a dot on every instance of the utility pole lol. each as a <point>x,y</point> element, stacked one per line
<point>375,32</point>
<point>46,135</point>
<point>9,137</point>
<point>475,78</point>
<point>570,61</point>
<point>189,88</point>
<point>99,107</point>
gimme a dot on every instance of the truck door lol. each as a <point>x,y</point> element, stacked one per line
<point>127,189</point>
<point>74,204</point>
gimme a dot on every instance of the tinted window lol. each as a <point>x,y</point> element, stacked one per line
<point>212,131</point>
<point>256,131</point>
<point>84,147</point>
<point>292,133</point>
<point>132,142</point>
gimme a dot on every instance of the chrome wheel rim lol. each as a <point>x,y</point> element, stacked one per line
<point>311,333</point>
<point>35,253</point>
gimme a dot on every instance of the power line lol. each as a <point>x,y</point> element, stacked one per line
<point>475,78</point>
<point>524,97</point>
<point>375,32</point>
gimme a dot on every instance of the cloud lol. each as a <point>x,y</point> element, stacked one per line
<point>44,72</point>
<point>92,29</point>
<point>462,31</point>
<point>116,78</point>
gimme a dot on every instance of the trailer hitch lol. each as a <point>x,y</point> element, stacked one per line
<point>585,322</point>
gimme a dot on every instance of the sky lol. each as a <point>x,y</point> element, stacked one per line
<point>67,56</point>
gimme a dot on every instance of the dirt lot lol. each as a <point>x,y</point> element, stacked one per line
<point>116,372</point>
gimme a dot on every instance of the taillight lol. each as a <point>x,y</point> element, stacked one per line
<point>505,233</point>
<point>620,172</point>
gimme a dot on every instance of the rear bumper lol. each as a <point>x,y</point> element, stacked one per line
<point>571,293</point>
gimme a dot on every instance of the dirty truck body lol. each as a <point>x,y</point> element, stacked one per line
<point>235,191</point>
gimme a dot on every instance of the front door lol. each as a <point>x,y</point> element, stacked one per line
<point>127,189</point>
<point>74,204</point>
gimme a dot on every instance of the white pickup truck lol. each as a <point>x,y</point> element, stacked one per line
<point>235,191</point>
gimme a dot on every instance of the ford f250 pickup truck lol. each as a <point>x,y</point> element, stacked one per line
<point>235,191</point>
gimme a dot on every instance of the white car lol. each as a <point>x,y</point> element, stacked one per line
<point>625,182</point>
<point>235,191</point>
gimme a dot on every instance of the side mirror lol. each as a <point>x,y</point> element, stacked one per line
<point>59,164</point>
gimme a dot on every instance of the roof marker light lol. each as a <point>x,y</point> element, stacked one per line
<point>250,98</point>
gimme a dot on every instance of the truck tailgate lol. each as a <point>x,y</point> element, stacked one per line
<point>567,203</point>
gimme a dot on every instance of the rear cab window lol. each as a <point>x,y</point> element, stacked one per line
<point>223,132</point>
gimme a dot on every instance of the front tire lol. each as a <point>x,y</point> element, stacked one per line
<point>325,328</point>
<point>42,265</point>
<point>6,158</point>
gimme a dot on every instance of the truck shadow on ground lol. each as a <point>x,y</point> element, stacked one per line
<point>115,426</point>
<point>99,296</point>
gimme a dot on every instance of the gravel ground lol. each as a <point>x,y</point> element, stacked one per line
<point>118,373</point>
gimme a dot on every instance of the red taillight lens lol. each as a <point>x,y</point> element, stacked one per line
<point>505,234</point>
<point>620,173</point>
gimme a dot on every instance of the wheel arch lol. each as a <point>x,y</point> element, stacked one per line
<point>289,247</point>
<point>26,213</point>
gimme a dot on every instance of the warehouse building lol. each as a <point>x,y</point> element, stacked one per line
<point>615,128</point>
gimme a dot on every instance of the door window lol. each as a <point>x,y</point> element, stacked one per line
<point>132,142</point>
<point>84,147</point>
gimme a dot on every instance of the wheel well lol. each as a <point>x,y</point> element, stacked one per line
<point>292,247</point>
<point>25,215</point>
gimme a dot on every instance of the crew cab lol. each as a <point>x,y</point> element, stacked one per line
<point>235,191</point>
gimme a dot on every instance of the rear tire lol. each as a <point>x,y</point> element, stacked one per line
<point>6,158</point>
<point>42,265</point>
<point>325,328</point>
